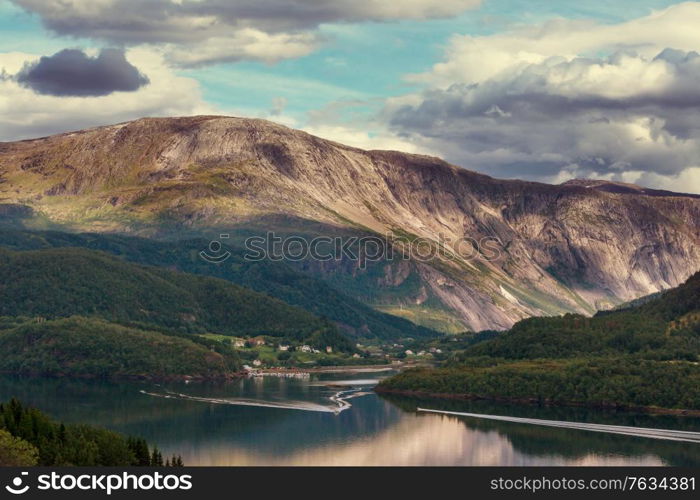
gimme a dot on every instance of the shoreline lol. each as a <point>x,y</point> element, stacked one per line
<point>206,378</point>
<point>650,410</point>
<point>331,369</point>
<point>132,378</point>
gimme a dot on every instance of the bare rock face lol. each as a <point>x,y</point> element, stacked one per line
<point>540,249</point>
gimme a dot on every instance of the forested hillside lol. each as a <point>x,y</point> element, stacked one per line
<point>91,347</point>
<point>29,437</point>
<point>643,356</point>
<point>83,313</point>
<point>57,283</point>
<point>273,278</point>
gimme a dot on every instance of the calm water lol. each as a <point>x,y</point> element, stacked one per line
<point>273,421</point>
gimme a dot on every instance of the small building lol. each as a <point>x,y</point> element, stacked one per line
<point>257,362</point>
<point>239,343</point>
<point>408,352</point>
<point>306,348</point>
<point>283,347</point>
<point>329,349</point>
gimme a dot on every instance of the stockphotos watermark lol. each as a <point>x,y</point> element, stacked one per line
<point>360,249</point>
<point>100,483</point>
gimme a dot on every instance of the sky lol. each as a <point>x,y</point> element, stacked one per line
<point>539,90</point>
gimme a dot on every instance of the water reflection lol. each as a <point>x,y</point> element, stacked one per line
<point>374,431</point>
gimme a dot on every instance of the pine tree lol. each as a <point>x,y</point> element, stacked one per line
<point>139,449</point>
<point>156,458</point>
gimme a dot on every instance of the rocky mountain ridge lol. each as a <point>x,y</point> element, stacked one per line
<point>576,247</point>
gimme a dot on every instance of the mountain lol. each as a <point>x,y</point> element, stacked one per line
<point>645,356</point>
<point>531,250</point>
<point>276,279</point>
<point>666,327</point>
<point>63,282</point>
<point>92,347</point>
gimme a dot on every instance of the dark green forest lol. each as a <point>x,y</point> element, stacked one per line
<point>276,279</point>
<point>641,356</point>
<point>29,437</point>
<point>58,283</point>
<point>79,312</point>
<point>92,347</point>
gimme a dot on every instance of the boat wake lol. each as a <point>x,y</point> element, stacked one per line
<point>339,400</point>
<point>651,433</point>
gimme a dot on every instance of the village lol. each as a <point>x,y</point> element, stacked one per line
<point>272,356</point>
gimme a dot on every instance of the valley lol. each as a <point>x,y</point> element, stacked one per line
<point>125,272</point>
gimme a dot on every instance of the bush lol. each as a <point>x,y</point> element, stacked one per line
<point>16,452</point>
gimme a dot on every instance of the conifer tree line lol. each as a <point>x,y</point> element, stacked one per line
<point>29,437</point>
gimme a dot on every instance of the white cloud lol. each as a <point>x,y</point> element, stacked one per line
<point>24,114</point>
<point>356,137</point>
<point>246,44</point>
<point>567,99</point>
<point>473,59</point>
<point>686,181</point>
<point>207,31</point>
<point>405,9</point>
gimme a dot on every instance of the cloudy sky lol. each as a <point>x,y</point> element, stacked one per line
<point>534,89</point>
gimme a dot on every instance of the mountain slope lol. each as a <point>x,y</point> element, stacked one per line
<point>272,278</point>
<point>91,347</point>
<point>667,327</point>
<point>643,356</point>
<point>567,248</point>
<point>59,283</point>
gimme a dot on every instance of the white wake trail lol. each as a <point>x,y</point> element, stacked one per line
<point>651,433</point>
<point>340,399</point>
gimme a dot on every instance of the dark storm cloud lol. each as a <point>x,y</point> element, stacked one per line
<point>563,115</point>
<point>71,72</point>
